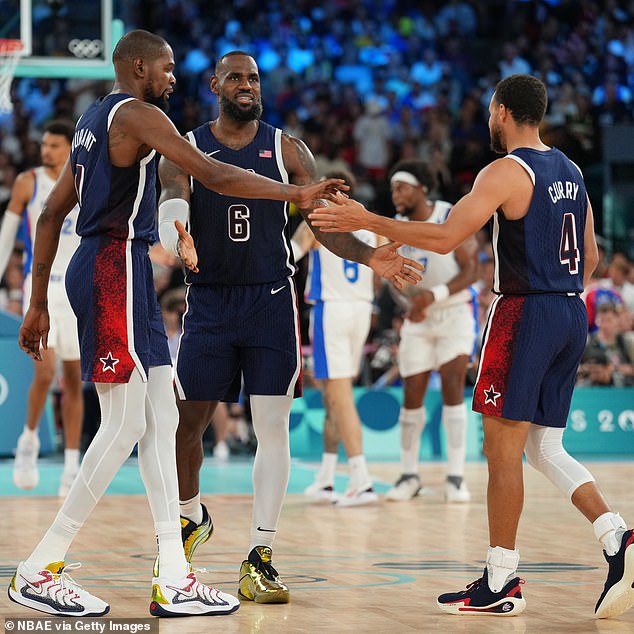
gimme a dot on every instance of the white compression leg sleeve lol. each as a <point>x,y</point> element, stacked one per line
<point>271,466</point>
<point>122,424</point>
<point>545,452</point>
<point>157,464</point>
<point>454,418</point>
<point>412,423</point>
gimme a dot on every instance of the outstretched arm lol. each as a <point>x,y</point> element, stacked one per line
<point>158,132</point>
<point>492,188</point>
<point>301,167</point>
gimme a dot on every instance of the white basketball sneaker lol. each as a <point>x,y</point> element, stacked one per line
<point>357,497</point>
<point>54,591</point>
<point>406,487</point>
<point>320,492</point>
<point>189,597</point>
<point>25,473</point>
<point>457,494</point>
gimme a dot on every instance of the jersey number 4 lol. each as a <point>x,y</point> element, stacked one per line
<point>568,248</point>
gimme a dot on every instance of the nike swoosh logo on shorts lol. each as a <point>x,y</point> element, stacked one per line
<point>277,290</point>
<point>212,153</point>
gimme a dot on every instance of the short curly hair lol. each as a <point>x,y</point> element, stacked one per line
<point>525,96</point>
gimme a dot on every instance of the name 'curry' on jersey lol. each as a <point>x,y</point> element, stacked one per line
<point>251,238</point>
<point>122,201</point>
<point>543,251</point>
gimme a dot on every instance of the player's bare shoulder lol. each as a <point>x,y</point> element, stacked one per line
<point>298,160</point>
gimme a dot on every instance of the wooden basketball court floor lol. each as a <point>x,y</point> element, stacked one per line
<point>370,569</point>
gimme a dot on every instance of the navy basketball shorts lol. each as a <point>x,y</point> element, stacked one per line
<point>531,349</point>
<point>111,290</point>
<point>230,333</point>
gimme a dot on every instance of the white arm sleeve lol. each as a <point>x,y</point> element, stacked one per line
<point>10,224</point>
<point>168,212</point>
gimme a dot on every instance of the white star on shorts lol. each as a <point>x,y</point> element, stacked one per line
<point>491,396</point>
<point>109,362</point>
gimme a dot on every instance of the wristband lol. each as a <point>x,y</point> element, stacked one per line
<point>440,292</point>
<point>169,211</point>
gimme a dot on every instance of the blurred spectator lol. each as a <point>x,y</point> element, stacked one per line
<point>606,360</point>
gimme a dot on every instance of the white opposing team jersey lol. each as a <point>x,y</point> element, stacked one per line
<point>333,278</point>
<point>68,239</point>
<point>439,268</point>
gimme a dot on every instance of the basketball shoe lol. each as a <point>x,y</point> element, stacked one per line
<point>259,581</point>
<point>357,497</point>
<point>193,535</point>
<point>457,494</point>
<point>25,473</point>
<point>189,597</point>
<point>406,487</point>
<point>54,591</point>
<point>478,598</point>
<point>320,492</point>
<point>618,592</point>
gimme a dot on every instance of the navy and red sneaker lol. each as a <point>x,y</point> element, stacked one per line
<point>478,598</point>
<point>618,592</point>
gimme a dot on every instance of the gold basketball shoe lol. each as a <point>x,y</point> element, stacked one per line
<point>259,581</point>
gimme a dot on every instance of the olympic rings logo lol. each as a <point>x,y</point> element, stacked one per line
<point>85,48</point>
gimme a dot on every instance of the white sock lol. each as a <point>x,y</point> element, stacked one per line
<point>172,564</point>
<point>609,529</point>
<point>359,476</point>
<point>71,460</point>
<point>454,418</point>
<point>191,509</point>
<point>501,566</point>
<point>326,474</point>
<point>54,545</point>
<point>31,434</point>
<point>412,423</point>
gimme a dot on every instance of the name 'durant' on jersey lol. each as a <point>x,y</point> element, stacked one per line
<point>84,137</point>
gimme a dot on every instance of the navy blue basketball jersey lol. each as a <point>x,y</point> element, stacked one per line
<point>122,200</point>
<point>241,241</point>
<point>543,251</point>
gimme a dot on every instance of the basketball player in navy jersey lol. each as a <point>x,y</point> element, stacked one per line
<point>111,174</point>
<point>242,317</point>
<point>545,252</point>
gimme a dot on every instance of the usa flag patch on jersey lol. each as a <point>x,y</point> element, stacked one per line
<point>265,154</point>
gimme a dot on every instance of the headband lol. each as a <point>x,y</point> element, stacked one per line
<point>405,177</point>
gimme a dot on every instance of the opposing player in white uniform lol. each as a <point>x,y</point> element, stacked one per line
<point>341,292</point>
<point>438,334</point>
<point>29,192</point>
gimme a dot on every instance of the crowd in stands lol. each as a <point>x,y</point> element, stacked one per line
<point>368,82</point>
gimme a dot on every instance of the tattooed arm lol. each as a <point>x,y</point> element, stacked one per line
<point>385,261</point>
<point>302,170</point>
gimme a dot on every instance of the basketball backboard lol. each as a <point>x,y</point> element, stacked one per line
<point>62,38</point>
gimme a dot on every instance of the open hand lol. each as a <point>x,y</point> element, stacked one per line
<point>308,195</point>
<point>388,263</point>
<point>341,214</point>
<point>34,332</point>
<point>186,249</point>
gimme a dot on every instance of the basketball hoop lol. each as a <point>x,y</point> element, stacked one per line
<point>10,51</point>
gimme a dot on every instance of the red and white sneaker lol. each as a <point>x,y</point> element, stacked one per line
<point>357,497</point>
<point>189,597</point>
<point>54,591</point>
